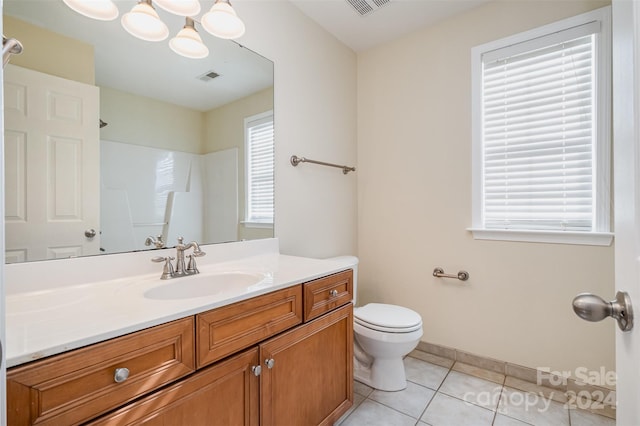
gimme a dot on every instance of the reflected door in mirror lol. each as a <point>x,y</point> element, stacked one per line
<point>52,173</point>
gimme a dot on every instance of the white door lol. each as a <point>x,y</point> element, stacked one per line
<point>52,168</point>
<point>626,117</point>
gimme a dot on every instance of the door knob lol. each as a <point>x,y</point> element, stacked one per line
<point>594,308</point>
<point>90,233</point>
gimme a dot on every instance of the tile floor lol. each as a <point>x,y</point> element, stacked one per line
<point>460,395</point>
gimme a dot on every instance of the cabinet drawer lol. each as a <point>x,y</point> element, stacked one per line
<point>325,294</point>
<point>223,331</point>
<point>224,394</point>
<point>79,385</point>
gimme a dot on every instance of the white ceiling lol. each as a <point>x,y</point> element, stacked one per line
<point>131,65</point>
<point>392,20</point>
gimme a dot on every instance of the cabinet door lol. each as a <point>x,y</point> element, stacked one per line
<point>307,373</point>
<point>225,394</point>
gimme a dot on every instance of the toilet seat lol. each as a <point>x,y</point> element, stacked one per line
<point>387,318</point>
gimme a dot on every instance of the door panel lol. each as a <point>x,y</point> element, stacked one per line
<point>51,166</point>
<point>626,124</point>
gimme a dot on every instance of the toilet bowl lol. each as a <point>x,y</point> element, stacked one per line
<point>383,335</point>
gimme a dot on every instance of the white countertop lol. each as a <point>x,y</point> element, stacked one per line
<point>47,314</point>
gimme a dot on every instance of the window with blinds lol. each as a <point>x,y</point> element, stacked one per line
<point>543,132</point>
<point>259,153</point>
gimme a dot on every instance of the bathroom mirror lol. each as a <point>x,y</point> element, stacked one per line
<point>170,157</point>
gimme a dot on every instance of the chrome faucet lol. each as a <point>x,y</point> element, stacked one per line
<point>180,269</point>
<point>157,241</point>
<point>191,268</point>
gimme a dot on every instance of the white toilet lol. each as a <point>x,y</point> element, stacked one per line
<point>384,334</point>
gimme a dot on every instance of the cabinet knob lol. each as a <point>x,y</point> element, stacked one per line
<point>256,370</point>
<point>333,293</point>
<point>121,374</point>
<point>269,363</point>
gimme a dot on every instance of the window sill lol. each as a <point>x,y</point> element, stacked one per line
<point>264,225</point>
<point>553,237</point>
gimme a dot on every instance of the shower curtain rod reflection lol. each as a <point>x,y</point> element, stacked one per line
<point>295,160</point>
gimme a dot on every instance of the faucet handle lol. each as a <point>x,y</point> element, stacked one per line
<point>167,270</point>
<point>192,268</point>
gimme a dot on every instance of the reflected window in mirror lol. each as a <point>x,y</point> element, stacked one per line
<point>259,149</point>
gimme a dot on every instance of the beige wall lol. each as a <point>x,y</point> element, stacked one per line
<point>50,52</point>
<point>224,129</point>
<point>315,117</point>
<point>414,195</point>
<point>144,121</point>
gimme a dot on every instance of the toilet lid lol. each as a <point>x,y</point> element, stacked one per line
<point>385,317</point>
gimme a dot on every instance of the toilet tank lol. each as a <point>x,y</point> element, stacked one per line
<point>349,262</point>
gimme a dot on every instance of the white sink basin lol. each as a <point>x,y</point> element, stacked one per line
<point>204,285</point>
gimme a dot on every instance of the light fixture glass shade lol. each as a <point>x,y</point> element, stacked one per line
<point>143,22</point>
<point>222,21</point>
<point>180,7</point>
<point>102,10</point>
<point>188,42</point>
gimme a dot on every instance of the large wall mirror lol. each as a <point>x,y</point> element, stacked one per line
<point>111,141</point>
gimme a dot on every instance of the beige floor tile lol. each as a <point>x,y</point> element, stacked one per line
<point>445,410</point>
<point>481,373</point>
<point>357,400</point>
<point>532,408</point>
<point>584,418</point>
<point>433,359</point>
<point>502,420</point>
<point>424,373</point>
<point>472,389</point>
<point>372,413</point>
<point>590,406</point>
<point>522,385</point>
<point>411,401</point>
<point>361,388</point>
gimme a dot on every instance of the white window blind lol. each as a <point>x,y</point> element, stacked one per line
<point>259,173</point>
<point>539,128</point>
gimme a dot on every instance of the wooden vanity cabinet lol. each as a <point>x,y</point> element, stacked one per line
<point>282,358</point>
<point>302,381</point>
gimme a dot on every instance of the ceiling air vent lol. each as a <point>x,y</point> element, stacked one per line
<point>364,7</point>
<point>208,76</point>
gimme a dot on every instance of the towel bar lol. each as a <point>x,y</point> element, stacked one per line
<point>439,273</point>
<point>295,160</point>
